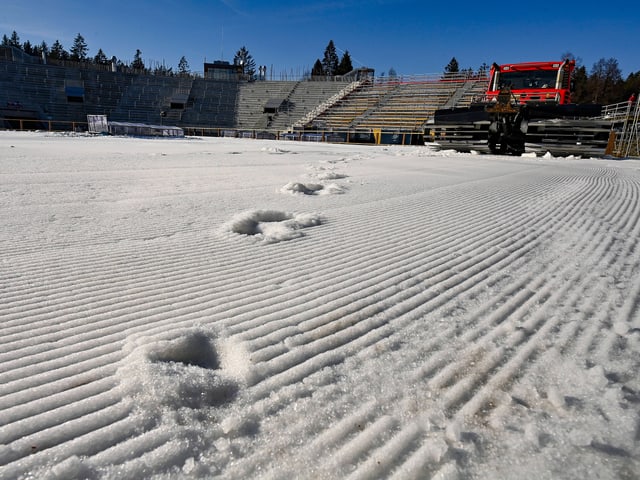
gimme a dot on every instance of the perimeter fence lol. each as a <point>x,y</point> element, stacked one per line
<point>371,136</point>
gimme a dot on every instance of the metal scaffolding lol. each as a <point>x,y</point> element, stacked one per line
<point>627,137</point>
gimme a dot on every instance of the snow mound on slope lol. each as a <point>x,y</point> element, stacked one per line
<point>272,226</point>
<point>276,150</point>
<point>333,189</point>
<point>306,189</point>
<point>331,176</point>
<point>295,188</point>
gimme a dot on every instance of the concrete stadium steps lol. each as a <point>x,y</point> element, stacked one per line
<point>346,111</point>
<point>141,98</point>
<point>103,91</point>
<point>470,91</point>
<point>211,103</point>
<point>135,97</point>
<point>252,98</point>
<point>34,86</point>
<point>408,106</point>
<point>397,105</point>
<point>145,99</point>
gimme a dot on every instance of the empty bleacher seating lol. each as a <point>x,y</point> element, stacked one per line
<point>391,104</point>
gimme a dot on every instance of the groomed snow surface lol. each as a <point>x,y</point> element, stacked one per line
<point>200,308</point>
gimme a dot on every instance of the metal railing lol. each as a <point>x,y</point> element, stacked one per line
<point>616,111</point>
<point>360,136</point>
<point>30,124</point>
<point>327,104</point>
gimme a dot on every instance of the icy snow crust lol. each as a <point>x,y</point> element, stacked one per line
<point>203,308</point>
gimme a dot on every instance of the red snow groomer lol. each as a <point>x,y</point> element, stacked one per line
<point>526,107</point>
<point>535,82</point>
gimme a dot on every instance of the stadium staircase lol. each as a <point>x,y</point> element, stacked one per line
<point>180,99</point>
<point>305,98</point>
<point>469,91</point>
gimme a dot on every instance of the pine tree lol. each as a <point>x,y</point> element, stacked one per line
<point>345,65</point>
<point>452,67</point>
<point>183,66</point>
<point>244,59</point>
<point>101,58</point>
<point>40,49</point>
<point>5,40</point>
<point>14,41</point>
<point>27,47</point>
<point>162,70</point>
<point>58,52</point>
<point>580,81</point>
<point>317,70</point>
<point>79,49</point>
<point>137,63</point>
<point>330,60</point>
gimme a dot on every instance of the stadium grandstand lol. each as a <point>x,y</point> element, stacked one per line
<point>41,94</point>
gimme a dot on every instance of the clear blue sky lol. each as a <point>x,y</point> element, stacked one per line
<point>413,37</point>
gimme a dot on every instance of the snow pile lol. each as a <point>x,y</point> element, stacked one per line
<point>330,176</point>
<point>313,188</point>
<point>306,189</point>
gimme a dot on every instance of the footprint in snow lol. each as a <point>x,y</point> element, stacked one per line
<point>271,226</point>
<point>183,371</point>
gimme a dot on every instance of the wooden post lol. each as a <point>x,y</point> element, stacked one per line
<point>611,144</point>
